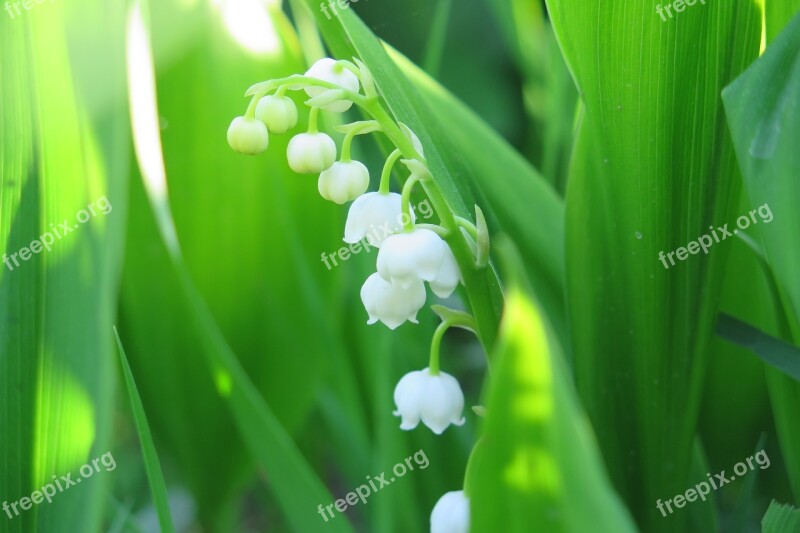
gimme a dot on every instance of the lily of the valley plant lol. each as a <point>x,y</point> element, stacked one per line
<point>409,254</point>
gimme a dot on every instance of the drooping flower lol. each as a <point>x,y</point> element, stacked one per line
<point>411,255</point>
<point>248,136</point>
<point>311,153</point>
<point>278,113</point>
<point>390,303</point>
<point>451,513</point>
<point>437,400</point>
<point>344,181</point>
<point>330,70</point>
<point>448,277</point>
<point>375,216</point>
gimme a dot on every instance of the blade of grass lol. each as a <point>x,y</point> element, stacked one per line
<point>775,352</point>
<point>155,476</point>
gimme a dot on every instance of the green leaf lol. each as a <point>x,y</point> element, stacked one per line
<point>537,466</point>
<point>779,354</point>
<point>781,519</point>
<point>764,117</point>
<point>296,487</point>
<point>152,465</point>
<point>238,220</point>
<point>763,112</point>
<point>653,168</point>
<point>61,151</point>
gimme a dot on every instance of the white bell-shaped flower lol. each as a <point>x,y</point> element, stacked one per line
<point>451,513</point>
<point>375,216</point>
<point>248,136</point>
<point>311,153</point>
<point>278,113</point>
<point>344,181</point>
<point>449,275</point>
<point>390,303</point>
<point>412,255</point>
<point>436,400</point>
<point>327,69</point>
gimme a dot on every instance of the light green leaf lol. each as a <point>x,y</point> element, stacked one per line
<point>296,487</point>
<point>537,466</point>
<point>63,148</point>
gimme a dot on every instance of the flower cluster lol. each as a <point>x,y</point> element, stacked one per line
<point>409,254</point>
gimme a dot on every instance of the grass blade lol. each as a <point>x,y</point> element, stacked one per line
<point>155,476</point>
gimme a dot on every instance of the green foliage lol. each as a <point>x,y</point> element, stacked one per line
<point>537,461</point>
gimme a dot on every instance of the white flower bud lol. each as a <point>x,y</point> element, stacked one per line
<point>451,513</point>
<point>344,181</point>
<point>436,400</point>
<point>311,153</point>
<point>448,277</point>
<point>278,112</point>
<point>374,216</point>
<point>327,69</point>
<point>390,303</point>
<point>248,136</point>
<point>409,256</point>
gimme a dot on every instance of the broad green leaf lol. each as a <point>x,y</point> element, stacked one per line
<point>63,148</point>
<point>537,466</point>
<point>764,116</point>
<point>653,168</point>
<point>294,484</point>
<point>764,119</point>
<point>781,519</point>
<point>155,476</point>
<point>241,222</point>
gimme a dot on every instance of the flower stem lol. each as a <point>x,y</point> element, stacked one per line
<point>312,120</point>
<point>433,364</point>
<point>469,226</point>
<point>251,108</point>
<point>387,171</point>
<point>405,203</point>
<point>348,140</point>
<point>460,320</point>
<point>302,81</point>
<point>438,230</point>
